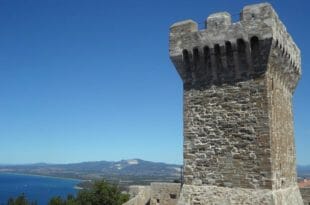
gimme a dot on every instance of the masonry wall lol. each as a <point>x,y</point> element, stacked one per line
<point>238,81</point>
<point>214,195</point>
<point>155,194</point>
<point>282,134</point>
<point>283,154</point>
<point>226,135</point>
<point>305,193</point>
<point>140,195</point>
<point>165,193</point>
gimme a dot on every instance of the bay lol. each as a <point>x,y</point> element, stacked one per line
<point>36,188</point>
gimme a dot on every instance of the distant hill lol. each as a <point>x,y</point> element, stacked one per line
<point>133,170</point>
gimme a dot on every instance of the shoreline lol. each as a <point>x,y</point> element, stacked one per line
<point>78,187</point>
<point>45,176</point>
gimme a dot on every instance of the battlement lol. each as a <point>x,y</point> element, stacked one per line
<point>226,52</point>
<point>238,82</point>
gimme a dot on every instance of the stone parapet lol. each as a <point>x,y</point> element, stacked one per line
<point>238,83</point>
<point>226,52</point>
<point>140,195</point>
<point>305,193</point>
<point>165,193</point>
<point>213,195</point>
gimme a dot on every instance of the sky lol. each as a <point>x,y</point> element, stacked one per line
<point>89,80</point>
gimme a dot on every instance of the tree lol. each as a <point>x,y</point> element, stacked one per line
<point>20,200</point>
<point>100,193</point>
<point>56,201</point>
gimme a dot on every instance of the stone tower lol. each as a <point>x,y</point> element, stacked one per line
<point>239,79</point>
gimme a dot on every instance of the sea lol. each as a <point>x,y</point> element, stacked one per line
<point>35,188</point>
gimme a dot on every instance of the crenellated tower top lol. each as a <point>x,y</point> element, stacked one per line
<point>226,52</point>
<point>238,83</point>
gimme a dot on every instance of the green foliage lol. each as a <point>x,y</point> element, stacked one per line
<point>100,193</point>
<point>56,201</point>
<point>20,200</point>
<point>59,201</point>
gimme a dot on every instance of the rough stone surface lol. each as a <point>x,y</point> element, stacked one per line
<point>134,190</point>
<point>305,193</point>
<point>238,122</point>
<point>140,195</point>
<point>195,195</point>
<point>165,193</point>
<point>226,137</point>
<point>156,193</point>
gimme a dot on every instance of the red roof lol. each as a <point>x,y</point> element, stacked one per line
<point>304,183</point>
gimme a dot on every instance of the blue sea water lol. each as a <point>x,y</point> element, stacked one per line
<point>36,188</point>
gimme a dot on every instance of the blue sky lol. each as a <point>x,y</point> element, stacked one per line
<point>84,80</point>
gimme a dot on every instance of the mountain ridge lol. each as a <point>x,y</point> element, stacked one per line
<point>130,169</point>
<point>125,169</point>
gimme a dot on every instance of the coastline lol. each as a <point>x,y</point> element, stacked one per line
<point>78,187</point>
<point>45,176</point>
<point>35,187</point>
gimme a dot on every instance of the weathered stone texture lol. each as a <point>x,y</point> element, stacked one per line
<point>140,195</point>
<point>226,135</point>
<point>134,190</point>
<point>238,123</point>
<point>165,193</point>
<point>196,195</point>
<point>282,135</point>
<point>281,118</point>
<point>305,193</point>
<point>156,193</point>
